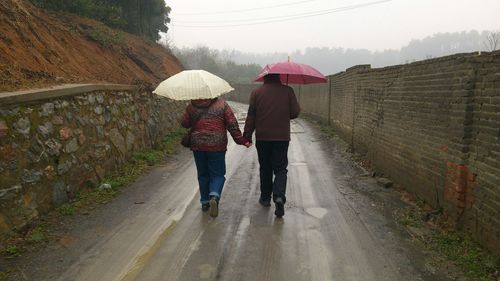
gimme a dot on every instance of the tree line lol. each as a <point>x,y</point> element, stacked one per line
<point>330,60</point>
<point>215,62</point>
<point>142,17</point>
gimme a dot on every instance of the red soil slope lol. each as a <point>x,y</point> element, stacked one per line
<point>40,48</point>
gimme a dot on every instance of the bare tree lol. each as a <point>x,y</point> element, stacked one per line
<point>166,41</point>
<point>492,41</point>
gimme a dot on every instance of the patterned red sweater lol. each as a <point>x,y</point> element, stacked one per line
<point>209,133</point>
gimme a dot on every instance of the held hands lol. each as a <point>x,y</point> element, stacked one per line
<point>248,144</point>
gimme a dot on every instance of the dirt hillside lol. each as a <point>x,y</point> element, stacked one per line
<point>40,48</point>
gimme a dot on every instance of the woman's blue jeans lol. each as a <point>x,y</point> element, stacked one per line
<point>211,167</point>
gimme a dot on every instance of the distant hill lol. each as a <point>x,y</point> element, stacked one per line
<point>331,60</point>
<point>40,48</point>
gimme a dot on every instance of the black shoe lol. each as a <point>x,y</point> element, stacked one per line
<point>280,208</point>
<point>214,207</point>
<point>205,207</point>
<point>265,202</point>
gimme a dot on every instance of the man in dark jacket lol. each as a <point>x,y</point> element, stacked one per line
<point>271,107</point>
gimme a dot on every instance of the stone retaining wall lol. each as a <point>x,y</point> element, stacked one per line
<point>55,142</point>
<point>432,126</point>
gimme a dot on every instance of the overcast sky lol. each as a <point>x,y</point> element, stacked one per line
<point>378,25</point>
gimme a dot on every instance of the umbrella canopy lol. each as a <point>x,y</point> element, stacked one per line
<point>193,85</point>
<point>292,73</point>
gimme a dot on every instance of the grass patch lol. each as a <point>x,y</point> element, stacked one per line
<point>3,276</point>
<point>67,210</point>
<point>116,182</point>
<point>105,37</point>
<point>328,131</point>
<point>27,239</point>
<point>168,146</point>
<point>89,198</point>
<point>171,141</point>
<point>408,217</point>
<point>453,247</point>
<point>37,235</point>
<point>149,156</point>
<point>11,251</point>
<point>477,263</point>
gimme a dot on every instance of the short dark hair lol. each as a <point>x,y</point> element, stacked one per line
<point>272,77</point>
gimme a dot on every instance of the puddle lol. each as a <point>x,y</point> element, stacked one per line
<point>317,212</point>
<point>206,271</point>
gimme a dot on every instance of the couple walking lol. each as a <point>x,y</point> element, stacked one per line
<point>271,107</point>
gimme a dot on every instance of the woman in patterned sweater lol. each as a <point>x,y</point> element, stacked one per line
<point>209,120</point>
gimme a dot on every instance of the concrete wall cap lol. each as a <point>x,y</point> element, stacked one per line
<point>24,96</point>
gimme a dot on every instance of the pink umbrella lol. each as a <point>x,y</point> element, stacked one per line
<point>293,73</point>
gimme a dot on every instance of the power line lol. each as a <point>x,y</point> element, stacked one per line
<point>246,10</point>
<point>313,13</point>
<point>282,18</point>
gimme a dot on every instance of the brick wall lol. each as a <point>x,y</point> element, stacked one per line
<point>55,142</point>
<point>482,215</point>
<point>314,99</point>
<point>432,126</point>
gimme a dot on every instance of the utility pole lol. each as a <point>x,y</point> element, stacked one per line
<point>329,100</point>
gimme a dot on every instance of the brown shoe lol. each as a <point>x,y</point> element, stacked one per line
<point>214,207</point>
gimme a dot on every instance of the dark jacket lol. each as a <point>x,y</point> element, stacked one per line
<point>209,132</point>
<point>272,105</point>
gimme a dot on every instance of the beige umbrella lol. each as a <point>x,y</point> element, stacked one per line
<point>192,85</point>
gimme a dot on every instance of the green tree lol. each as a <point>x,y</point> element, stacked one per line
<point>142,17</point>
<point>221,65</point>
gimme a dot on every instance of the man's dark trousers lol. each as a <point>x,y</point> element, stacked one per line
<point>273,159</point>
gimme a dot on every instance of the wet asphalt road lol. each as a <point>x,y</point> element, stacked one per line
<point>321,237</point>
